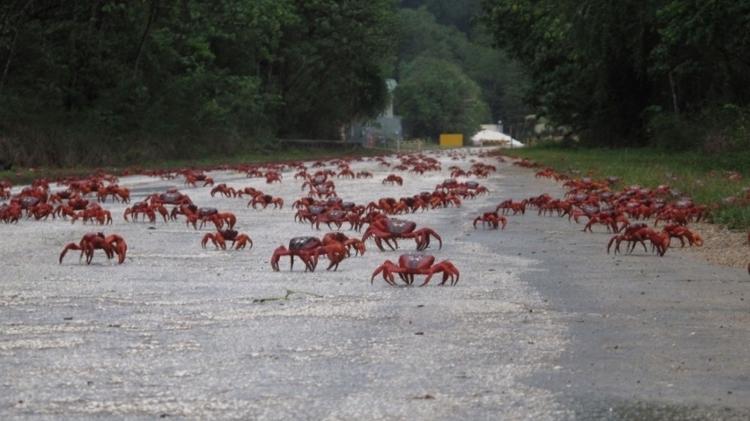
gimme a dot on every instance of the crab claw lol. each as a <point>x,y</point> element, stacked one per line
<point>382,267</point>
<point>69,246</point>
<point>280,251</point>
<point>387,268</point>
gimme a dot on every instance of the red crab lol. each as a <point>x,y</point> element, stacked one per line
<point>346,173</point>
<point>273,177</point>
<point>640,233</point>
<point>388,229</point>
<point>224,190</point>
<point>171,197</point>
<point>349,243</point>
<point>111,244</point>
<point>219,239</point>
<point>682,233</point>
<point>308,249</point>
<point>192,178</point>
<point>332,216</point>
<point>417,264</point>
<point>316,180</point>
<point>511,206</point>
<point>309,213</point>
<point>325,190</point>
<point>146,210</point>
<point>393,179</point>
<point>492,219</point>
<point>266,199</point>
<point>93,213</point>
<point>118,193</point>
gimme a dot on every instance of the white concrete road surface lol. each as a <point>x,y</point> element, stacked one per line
<point>543,325</point>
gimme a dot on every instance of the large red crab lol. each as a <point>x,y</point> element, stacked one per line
<point>309,249</point>
<point>389,229</point>
<point>417,264</point>
<point>110,244</point>
<point>171,197</point>
<point>146,210</point>
<point>332,216</point>
<point>640,233</point>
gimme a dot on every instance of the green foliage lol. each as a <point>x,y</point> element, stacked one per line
<point>672,131</point>
<point>335,67</point>
<point>201,75</point>
<point>501,81</point>
<point>435,97</point>
<point>460,14</point>
<point>612,70</point>
<point>701,47</point>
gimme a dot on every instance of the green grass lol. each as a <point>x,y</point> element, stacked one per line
<point>26,175</point>
<point>702,176</point>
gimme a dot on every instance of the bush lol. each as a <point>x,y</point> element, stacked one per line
<point>673,132</point>
<point>717,129</point>
<point>726,129</point>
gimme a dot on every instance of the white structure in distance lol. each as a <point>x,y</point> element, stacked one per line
<point>491,135</point>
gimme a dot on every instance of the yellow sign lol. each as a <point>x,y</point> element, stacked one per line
<point>451,140</point>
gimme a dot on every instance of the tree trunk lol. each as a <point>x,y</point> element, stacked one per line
<point>151,18</point>
<point>674,94</point>
<point>6,69</point>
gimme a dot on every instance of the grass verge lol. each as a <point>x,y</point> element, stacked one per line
<point>703,177</point>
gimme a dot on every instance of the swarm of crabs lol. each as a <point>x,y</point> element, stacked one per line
<point>651,219</point>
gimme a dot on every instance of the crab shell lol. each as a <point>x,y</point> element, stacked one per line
<point>304,243</point>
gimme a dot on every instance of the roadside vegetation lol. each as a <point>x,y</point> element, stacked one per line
<point>711,180</point>
<point>281,154</point>
<point>667,73</point>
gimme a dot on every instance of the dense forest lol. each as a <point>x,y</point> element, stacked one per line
<point>115,81</point>
<point>126,81</point>
<point>103,81</point>
<point>671,73</point>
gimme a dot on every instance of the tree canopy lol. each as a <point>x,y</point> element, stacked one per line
<point>435,96</point>
<point>613,69</point>
<point>223,69</point>
<point>111,80</point>
<point>422,38</point>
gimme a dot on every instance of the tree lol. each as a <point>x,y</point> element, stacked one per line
<point>200,76</point>
<point>459,14</point>
<point>700,57</point>
<point>435,97</point>
<point>500,79</point>
<point>333,63</point>
<point>609,68</point>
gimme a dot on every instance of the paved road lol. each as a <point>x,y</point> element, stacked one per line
<point>544,325</point>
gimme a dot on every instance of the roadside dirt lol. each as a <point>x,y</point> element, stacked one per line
<point>721,246</point>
